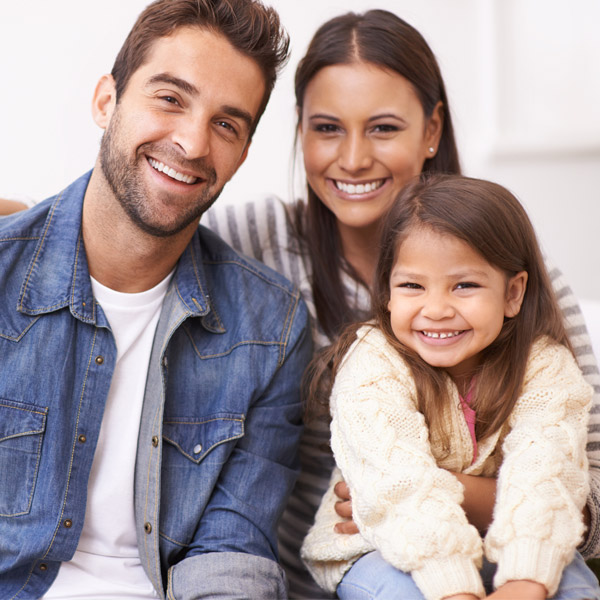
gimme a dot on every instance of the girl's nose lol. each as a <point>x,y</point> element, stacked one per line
<point>437,307</point>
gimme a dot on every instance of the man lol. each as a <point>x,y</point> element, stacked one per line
<point>149,406</point>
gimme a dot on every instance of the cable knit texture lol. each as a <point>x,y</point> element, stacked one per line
<point>407,504</point>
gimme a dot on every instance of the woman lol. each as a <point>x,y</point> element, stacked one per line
<point>372,114</point>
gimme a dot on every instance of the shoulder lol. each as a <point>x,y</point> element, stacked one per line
<point>552,362</point>
<point>250,226</point>
<point>372,358</point>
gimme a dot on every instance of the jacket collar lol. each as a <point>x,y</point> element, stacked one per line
<point>58,274</point>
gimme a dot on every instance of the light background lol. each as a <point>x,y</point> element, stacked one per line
<point>523,77</point>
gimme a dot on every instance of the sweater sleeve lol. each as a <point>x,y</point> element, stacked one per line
<point>403,503</point>
<point>543,480</point>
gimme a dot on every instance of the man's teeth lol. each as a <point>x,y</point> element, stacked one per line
<point>441,336</point>
<point>361,188</point>
<point>172,172</point>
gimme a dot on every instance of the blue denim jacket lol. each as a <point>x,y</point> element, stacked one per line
<point>220,425</point>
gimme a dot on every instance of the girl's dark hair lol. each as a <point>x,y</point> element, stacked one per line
<point>490,220</point>
<point>381,38</point>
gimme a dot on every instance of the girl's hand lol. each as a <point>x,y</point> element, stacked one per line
<point>344,509</point>
<point>523,588</point>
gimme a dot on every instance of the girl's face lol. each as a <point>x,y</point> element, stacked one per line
<point>447,303</point>
<point>364,135</point>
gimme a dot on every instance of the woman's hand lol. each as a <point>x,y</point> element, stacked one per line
<point>8,207</point>
<point>522,589</point>
<point>344,509</point>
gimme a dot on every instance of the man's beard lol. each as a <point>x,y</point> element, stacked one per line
<point>124,178</point>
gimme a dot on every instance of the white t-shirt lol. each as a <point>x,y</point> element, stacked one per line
<point>106,563</point>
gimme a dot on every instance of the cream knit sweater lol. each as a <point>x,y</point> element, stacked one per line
<point>407,504</point>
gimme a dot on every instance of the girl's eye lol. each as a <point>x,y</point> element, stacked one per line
<point>465,285</point>
<point>410,286</point>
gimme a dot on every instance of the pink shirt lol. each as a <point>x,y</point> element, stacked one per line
<point>470,418</point>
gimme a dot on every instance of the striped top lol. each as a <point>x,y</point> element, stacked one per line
<point>262,230</point>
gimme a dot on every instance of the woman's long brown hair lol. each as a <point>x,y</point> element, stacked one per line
<point>381,38</point>
<point>490,220</point>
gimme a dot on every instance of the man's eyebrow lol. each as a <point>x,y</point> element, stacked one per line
<point>182,84</point>
<point>238,113</point>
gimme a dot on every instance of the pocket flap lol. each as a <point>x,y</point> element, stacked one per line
<point>18,419</point>
<point>195,438</point>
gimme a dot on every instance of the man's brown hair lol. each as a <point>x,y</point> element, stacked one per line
<point>251,27</point>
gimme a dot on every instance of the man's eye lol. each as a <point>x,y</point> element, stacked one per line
<point>170,99</point>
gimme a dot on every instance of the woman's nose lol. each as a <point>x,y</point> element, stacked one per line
<point>355,153</point>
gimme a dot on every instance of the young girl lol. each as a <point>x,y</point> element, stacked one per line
<point>466,369</point>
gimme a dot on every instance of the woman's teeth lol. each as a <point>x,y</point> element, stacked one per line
<point>360,188</point>
<point>172,172</point>
<point>441,336</point>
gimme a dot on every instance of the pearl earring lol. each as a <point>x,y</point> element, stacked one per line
<point>431,149</point>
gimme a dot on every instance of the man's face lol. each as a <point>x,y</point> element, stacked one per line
<point>180,129</point>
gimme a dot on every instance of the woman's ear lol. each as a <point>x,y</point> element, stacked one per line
<point>433,130</point>
<point>104,101</point>
<point>515,292</point>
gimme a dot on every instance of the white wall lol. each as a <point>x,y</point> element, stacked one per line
<point>523,78</point>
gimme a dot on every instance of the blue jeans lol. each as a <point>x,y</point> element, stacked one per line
<point>372,578</point>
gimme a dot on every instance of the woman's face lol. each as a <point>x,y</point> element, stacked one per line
<point>364,136</point>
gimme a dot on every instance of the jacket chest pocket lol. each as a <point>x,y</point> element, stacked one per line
<point>196,438</point>
<point>21,433</point>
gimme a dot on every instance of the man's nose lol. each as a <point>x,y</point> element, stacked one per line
<point>193,135</point>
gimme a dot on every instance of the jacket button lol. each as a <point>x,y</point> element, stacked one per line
<point>148,528</point>
<point>155,440</point>
<point>68,523</point>
<point>43,567</point>
<point>197,448</point>
<point>82,439</point>
<point>99,360</point>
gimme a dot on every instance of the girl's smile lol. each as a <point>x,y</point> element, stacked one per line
<point>447,303</point>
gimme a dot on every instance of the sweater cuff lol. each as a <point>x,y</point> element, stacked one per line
<point>442,577</point>
<point>533,560</point>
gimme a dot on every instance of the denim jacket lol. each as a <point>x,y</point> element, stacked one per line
<point>220,425</point>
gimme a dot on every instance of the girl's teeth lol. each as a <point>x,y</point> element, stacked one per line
<point>172,172</point>
<point>360,188</point>
<point>441,336</point>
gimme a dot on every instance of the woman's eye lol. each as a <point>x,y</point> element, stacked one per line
<point>326,128</point>
<point>385,128</point>
<point>170,99</point>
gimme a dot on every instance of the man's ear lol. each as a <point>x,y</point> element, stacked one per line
<point>104,101</point>
<point>515,292</point>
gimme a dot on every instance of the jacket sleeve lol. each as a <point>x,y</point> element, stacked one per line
<point>543,480</point>
<point>234,549</point>
<point>403,503</point>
